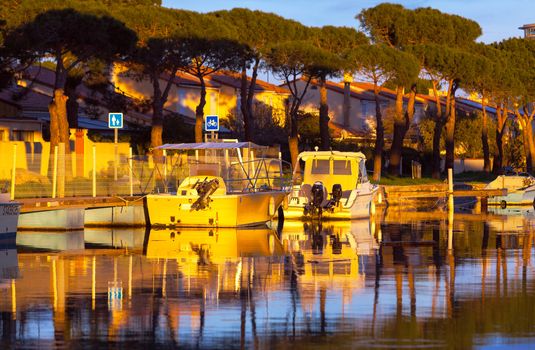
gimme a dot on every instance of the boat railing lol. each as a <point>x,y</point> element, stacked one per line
<point>260,174</point>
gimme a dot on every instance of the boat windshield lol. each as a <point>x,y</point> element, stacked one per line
<point>363,175</point>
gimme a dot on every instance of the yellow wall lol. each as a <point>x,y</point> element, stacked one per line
<point>37,161</point>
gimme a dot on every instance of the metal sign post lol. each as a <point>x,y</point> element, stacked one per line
<point>115,122</point>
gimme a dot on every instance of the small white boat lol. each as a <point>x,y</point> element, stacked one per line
<point>520,190</point>
<point>223,185</point>
<point>343,174</point>
<point>9,218</point>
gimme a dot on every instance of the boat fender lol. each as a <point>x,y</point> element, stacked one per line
<point>271,207</point>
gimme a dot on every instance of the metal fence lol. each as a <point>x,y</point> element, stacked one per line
<point>104,174</point>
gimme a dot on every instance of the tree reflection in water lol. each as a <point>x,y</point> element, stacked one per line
<point>388,283</point>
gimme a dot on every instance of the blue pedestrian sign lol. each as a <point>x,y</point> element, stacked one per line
<point>211,123</point>
<point>115,120</point>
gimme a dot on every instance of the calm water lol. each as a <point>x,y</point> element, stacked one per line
<point>389,283</point>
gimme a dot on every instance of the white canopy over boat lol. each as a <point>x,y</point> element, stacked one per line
<point>328,154</point>
<point>210,145</point>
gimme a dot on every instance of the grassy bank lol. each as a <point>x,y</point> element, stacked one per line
<point>468,177</point>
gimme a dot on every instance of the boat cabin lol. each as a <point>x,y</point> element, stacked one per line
<point>332,167</point>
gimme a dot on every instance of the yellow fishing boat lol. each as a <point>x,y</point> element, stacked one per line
<point>221,184</point>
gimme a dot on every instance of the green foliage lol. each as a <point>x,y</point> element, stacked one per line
<point>308,127</point>
<point>258,30</point>
<point>383,64</point>
<point>292,59</point>
<point>426,128</point>
<point>514,146</point>
<point>468,142</point>
<point>396,26</point>
<point>62,32</point>
<point>388,180</point>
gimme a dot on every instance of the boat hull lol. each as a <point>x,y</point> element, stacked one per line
<point>359,208</point>
<point>9,218</point>
<point>515,197</point>
<point>225,210</point>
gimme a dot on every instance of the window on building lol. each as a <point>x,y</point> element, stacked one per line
<point>22,135</point>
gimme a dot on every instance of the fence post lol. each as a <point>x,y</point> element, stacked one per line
<point>13,172</point>
<point>165,169</point>
<point>55,172</point>
<point>94,171</point>
<point>131,172</point>
<point>61,170</point>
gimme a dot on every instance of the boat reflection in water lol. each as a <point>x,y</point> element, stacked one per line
<point>332,247</point>
<point>212,246</point>
<point>386,284</point>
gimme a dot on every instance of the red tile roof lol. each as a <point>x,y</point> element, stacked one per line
<point>233,79</point>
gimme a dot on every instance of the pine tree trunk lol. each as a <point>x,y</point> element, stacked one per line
<point>199,112</point>
<point>250,98</point>
<point>399,134</point>
<point>531,146</point>
<point>243,106</point>
<point>450,134</point>
<point>379,139</point>
<point>450,127</point>
<point>157,120</point>
<point>484,137</point>
<point>324,116</point>
<point>293,143</point>
<point>437,134</point>
<point>501,118</point>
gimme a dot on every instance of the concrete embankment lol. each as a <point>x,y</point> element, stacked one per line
<point>67,214</point>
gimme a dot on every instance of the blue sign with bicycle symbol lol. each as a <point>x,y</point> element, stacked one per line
<point>211,123</point>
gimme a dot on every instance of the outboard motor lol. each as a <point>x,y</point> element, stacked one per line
<point>317,195</point>
<point>336,195</point>
<point>205,189</point>
<point>317,192</point>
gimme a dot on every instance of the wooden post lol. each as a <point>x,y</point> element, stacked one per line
<point>280,170</point>
<point>55,173</point>
<point>450,208</point>
<point>131,172</point>
<point>94,171</point>
<point>13,172</point>
<point>450,180</point>
<point>61,170</point>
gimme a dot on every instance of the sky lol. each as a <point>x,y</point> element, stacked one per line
<point>499,19</point>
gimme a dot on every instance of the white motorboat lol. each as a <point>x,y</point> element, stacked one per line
<point>221,184</point>
<point>520,190</point>
<point>9,218</point>
<point>343,174</point>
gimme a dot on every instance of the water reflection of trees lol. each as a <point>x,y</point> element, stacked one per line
<point>328,281</point>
